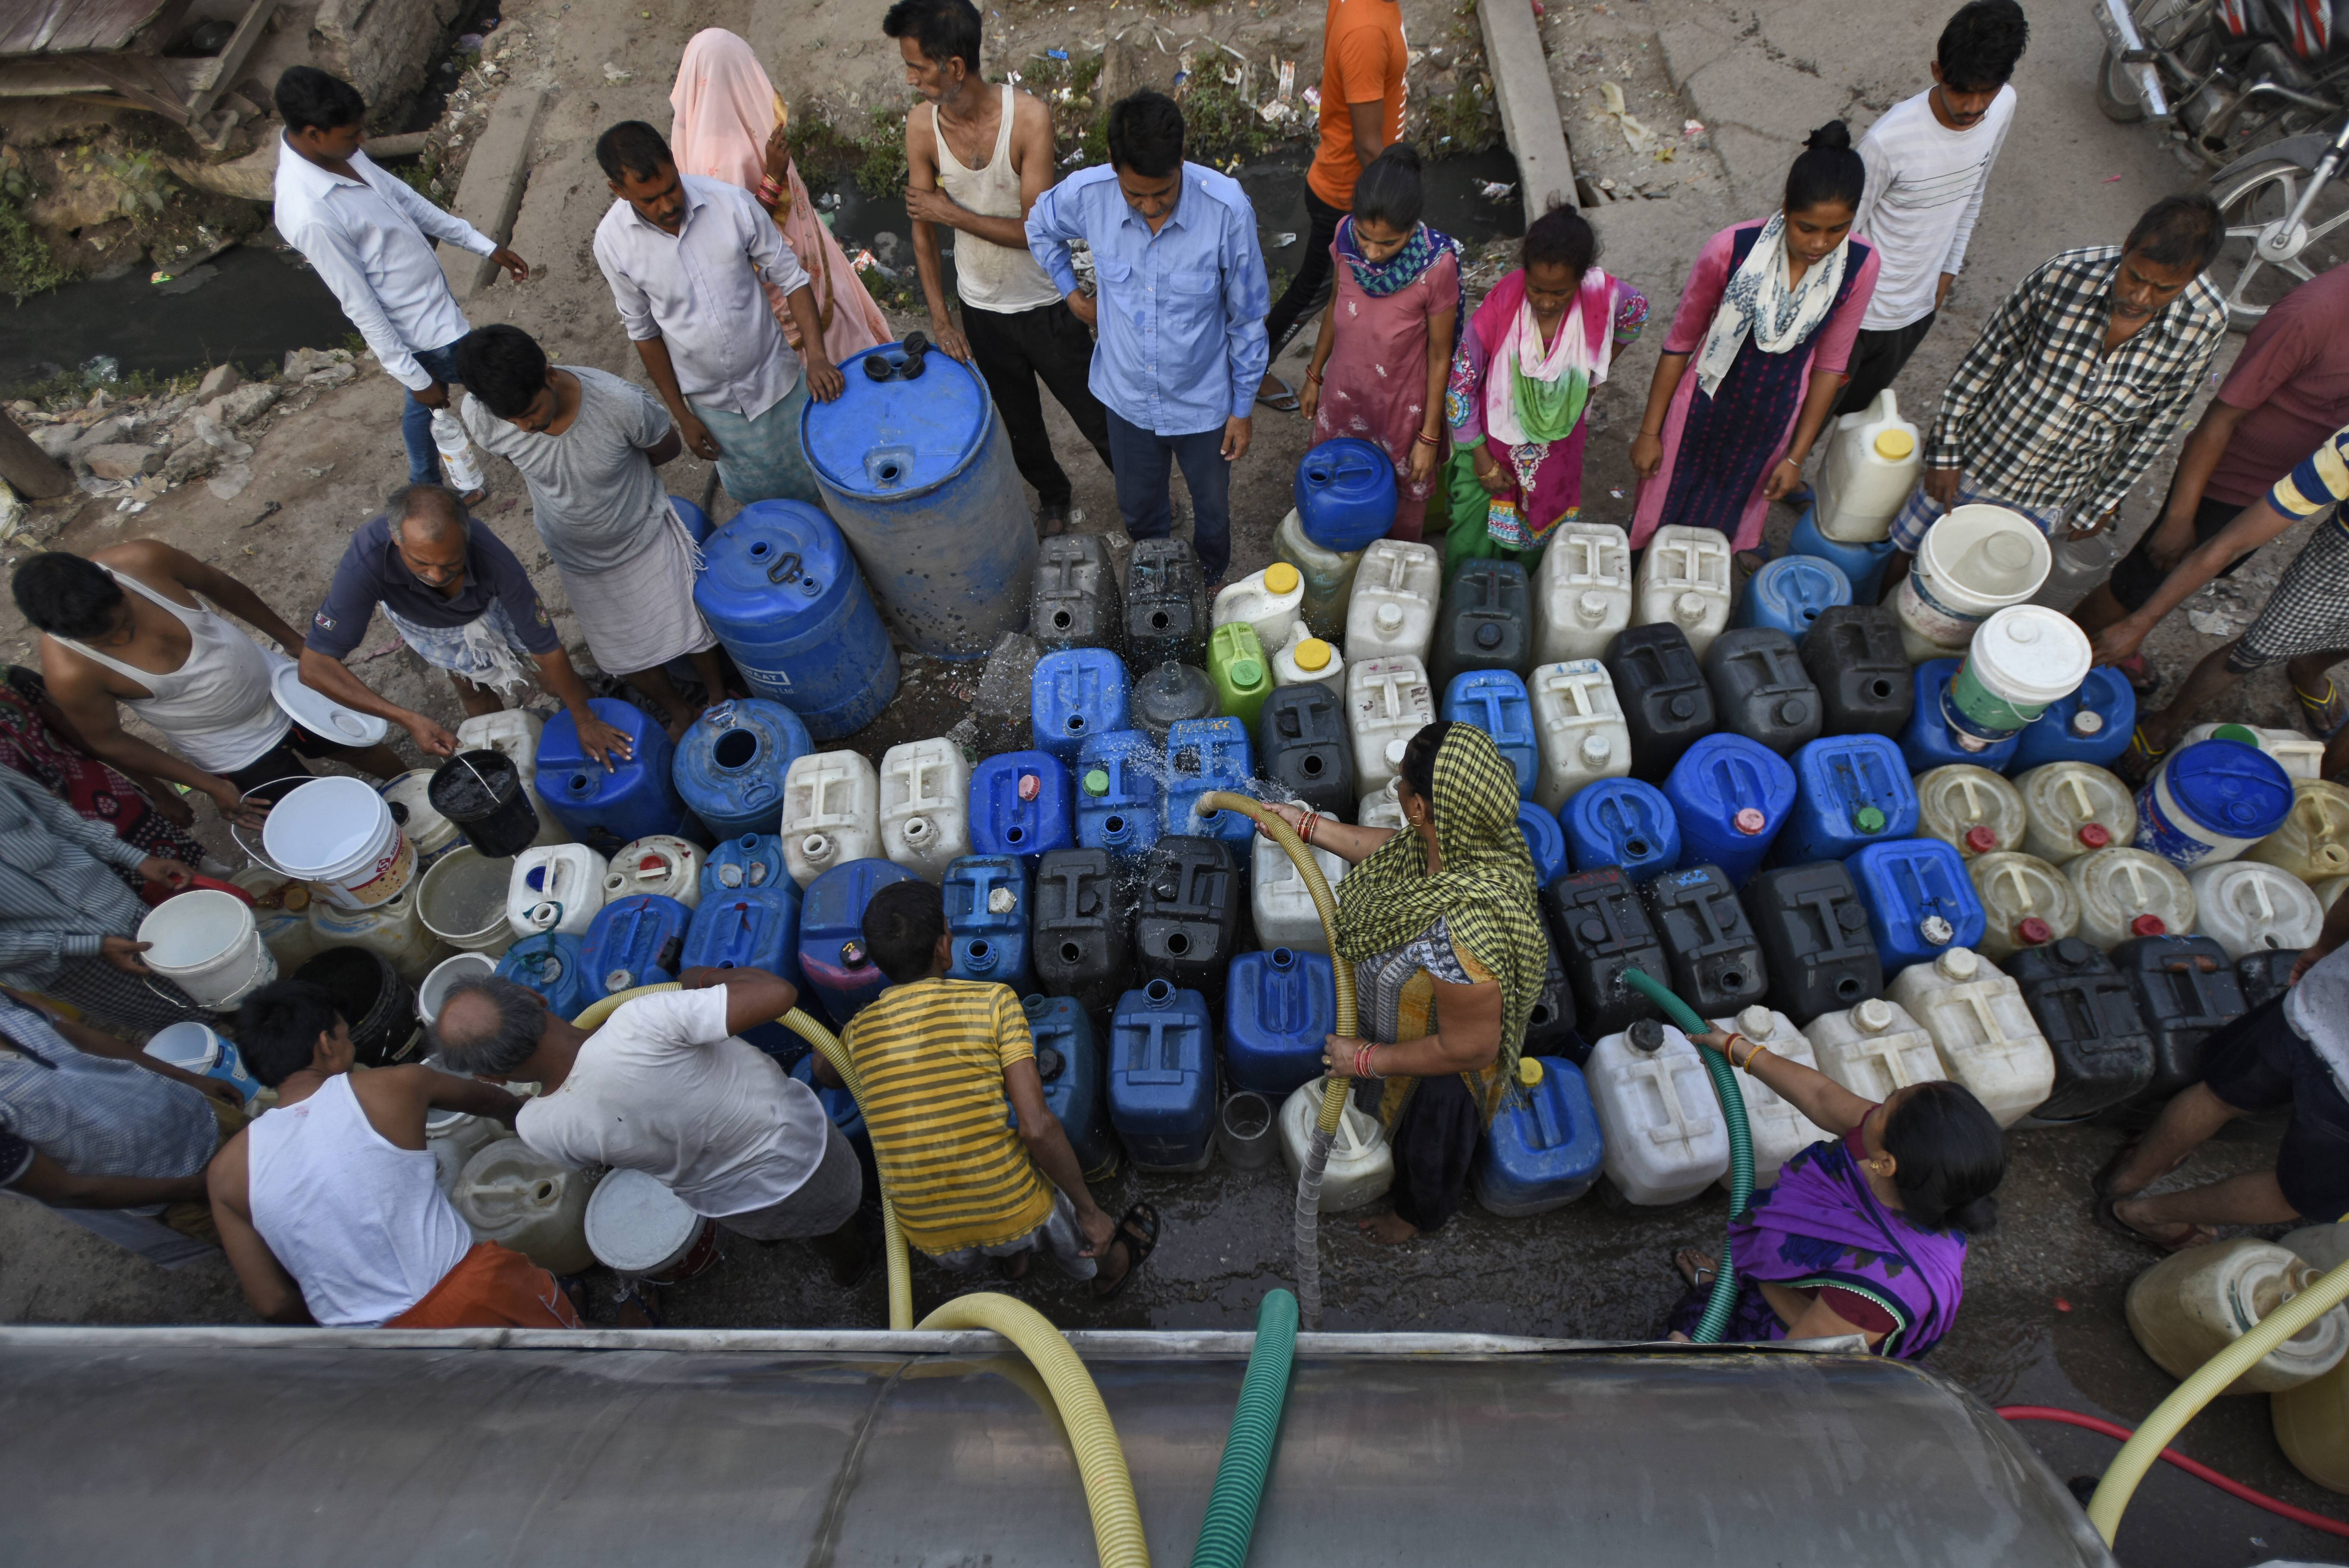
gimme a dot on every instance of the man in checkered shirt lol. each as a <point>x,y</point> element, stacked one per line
<point>2080,378</point>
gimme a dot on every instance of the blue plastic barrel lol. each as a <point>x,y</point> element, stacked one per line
<point>1161,1078</point>
<point>1075,695</point>
<point>838,1103</point>
<point>990,902</point>
<point>2093,725</point>
<point>1544,840</point>
<point>1861,564</point>
<point>730,766</point>
<point>1545,1147</point>
<point>553,964</point>
<point>2210,801</point>
<point>1019,805</point>
<point>1731,795</point>
<point>1278,1008</point>
<point>1069,1060</point>
<point>1120,794</point>
<point>606,809</point>
<point>920,474</point>
<point>840,973</point>
<point>783,594</point>
<point>1345,493</point>
<point>1929,740</point>
<point>1204,754</point>
<point>752,928</point>
<point>1621,823</point>
<point>745,861</point>
<point>1789,592</point>
<point>1495,701</point>
<point>1850,791</point>
<point>695,520</point>
<point>634,941</point>
<point>1921,901</point>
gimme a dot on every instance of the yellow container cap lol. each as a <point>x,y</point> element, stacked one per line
<point>1312,654</point>
<point>1894,446</point>
<point>1280,577</point>
<point>1529,1070</point>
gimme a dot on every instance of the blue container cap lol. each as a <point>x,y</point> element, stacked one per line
<point>1805,582</point>
<point>893,440</point>
<point>2237,789</point>
<point>774,552</point>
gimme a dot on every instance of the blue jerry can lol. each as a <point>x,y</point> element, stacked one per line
<point>746,861</point>
<point>1850,791</point>
<point>1278,1009</point>
<point>1545,1146</point>
<point>1204,754</point>
<point>730,766</point>
<point>553,964</point>
<point>605,809</point>
<point>635,941</point>
<point>752,928</point>
<point>988,900</point>
<point>838,1103</point>
<point>1496,702</point>
<point>840,973</point>
<point>1162,1079</point>
<point>1069,1060</point>
<point>1075,695</point>
<point>1621,823</point>
<point>1544,840</point>
<point>783,594</point>
<point>1731,795</point>
<point>1921,901</point>
<point>1929,740</point>
<point>1120,795</point>
<point>1019,805</point>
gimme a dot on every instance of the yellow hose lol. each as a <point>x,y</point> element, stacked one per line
<point>2186,1401</point>
<point>1100,1460</point>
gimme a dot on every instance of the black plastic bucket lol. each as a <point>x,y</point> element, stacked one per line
<point>483,793</point>
<point>379,1007</point>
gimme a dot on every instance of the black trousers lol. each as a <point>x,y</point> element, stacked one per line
<point>1434,1145</point>
<point>1306,289</point>
<point>1012,350</point>
<point>1875,359</point>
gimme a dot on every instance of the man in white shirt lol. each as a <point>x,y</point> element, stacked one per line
<point>1928,159</point>
<point>370,235</point>
<point>666,1086</point>
<point>686,258</point>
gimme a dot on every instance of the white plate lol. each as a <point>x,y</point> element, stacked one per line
<point>321,715</point>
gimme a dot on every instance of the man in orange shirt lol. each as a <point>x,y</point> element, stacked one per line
<point>1363,56</point>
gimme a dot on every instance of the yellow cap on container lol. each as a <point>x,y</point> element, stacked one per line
<point>1280,577</point>
<point>1894,446</point>
<point>1312,654</point>
<point>1529,1070</point>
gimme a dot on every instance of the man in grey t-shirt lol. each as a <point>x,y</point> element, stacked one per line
<point>587,443</point>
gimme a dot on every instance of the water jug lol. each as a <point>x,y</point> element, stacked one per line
<point>1777,1131</point>
<point>1328,576</point>
<point>2312,844</point>
<point>2072,807</point>
<point>1930,740</point>
<point>989,901</point>
<point>1850,791</point>
<point>2025,903</point>
<point>839,972</point>
<point>660,864</point>
<point>1550,1028</point>
<point>555,887</point>
<point>729,767</point>
<point>1874,1048</point>
<point>1302,745</point>
<point>2312,1427</point>
<point>1282,1006</point>
<point>553,965</point>
<point>1862,565</point>
<point>1165,605</point>
<point>524,1201</point>
<point>1170,694</point>
<point>2192,1305</point>
<point>1815,946</point>
<point>1666,703</point>
<point>1188,925</point>
<point>2185,988</point>
<point>1621,823</point>
<point>391,928</point>
<point>1382,808</point>
<point>1760,689</point>
<point>1073,601</point>
<point>1361,1163</point>
<point>1281,905</point>
<point>1582,592</point>
<point>1485,622</point>
<point>2265,974</point>
<point>1496,702</point>
<point>1545,842</point>
<point>783,594</point>
<point>2247,907</point>
<point>1715,958</point>
<point>1161,1078</point>
<point>1853,654</point>
<point>2299,756</point>
<point>1120,794</point>
<point>1730,796</point>
<point>1874,458</point>
<point>2022,659</point>
<point>606,808</point>
<point>1078,693</point>
<point>1684,580</point>
<point>453,1138</point>
<point>1269,603</point>
<point>755,860</point>
<point>1791,592</point>
<point>753,928</point>
<point>634,941</point>
<point>1242,674</point>
<point>1083,934</point>
<point>1982,1030</point>
<point>1021,805</point>
<point>1003,709</point>
<point>1601,929</point>
<point>1069,1060</point>
<point>281,910</point>
<point>2093,725</point>
<point>1920,899</point>
<point>1544,1149</point>
<point>1973,561</point>
<point>2330,890</point>
<point>2087,1013</point>
<point>2125,892</point>
<point>1665,1139</point>
<point>832,811</point>
<point>1387,701</point>
<point>925,806</point>
<point>1583,734</point>
<point>408,800</point>
<point>1345,493</point>
<point>1969,809</point>
<point>1202,755</point>
<point>1307,660</point>
<point>1391,611</point>
<point>838,1104</point>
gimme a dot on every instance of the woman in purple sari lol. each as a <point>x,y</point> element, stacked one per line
<point>1865,1234</point>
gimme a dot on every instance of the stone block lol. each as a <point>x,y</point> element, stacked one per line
<point>122,460</point>
<point>248,403</point>
<point>489,196</point>
<point>104,432</point>
<point>57,440</point>
<point>218,379</point>
<point>380,47</point>
<point>190,460</point>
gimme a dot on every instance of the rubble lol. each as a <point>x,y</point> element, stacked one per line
<point>120,460</point>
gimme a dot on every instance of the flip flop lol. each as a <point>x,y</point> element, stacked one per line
<point>1705,1272</point>
<point>1285,402</point>
<point>2142,677</point>
<point>2326,715</point>
<point>1138,1229</point>
<point>2195,1235</point>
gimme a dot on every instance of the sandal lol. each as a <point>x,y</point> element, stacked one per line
<point>1138,1229</point>
<point>2142,677</point>
<point>2326,715</point>
<point>2108,1215</point>
<point>1700,1276</point>
<point>1053,519</point>
<point>1283,402</point>
<point>2139,761</point>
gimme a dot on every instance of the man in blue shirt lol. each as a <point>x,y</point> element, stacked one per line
<point>1180,316</point>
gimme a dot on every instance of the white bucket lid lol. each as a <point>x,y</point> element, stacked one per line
<point>327,827</point>
<point>321,715</point>
<point>1960,555</point>
<point>186,1044</point>
<point>193,929</point>
<point>2030,655</point>
<point>636,1224</point>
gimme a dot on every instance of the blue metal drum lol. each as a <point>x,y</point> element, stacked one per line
<point>782,593</point>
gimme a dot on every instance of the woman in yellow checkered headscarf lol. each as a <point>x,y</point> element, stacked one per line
<point>1440,924</point>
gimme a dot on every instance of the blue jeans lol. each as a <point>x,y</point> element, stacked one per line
<point>416,419</point>
<point>1143,462</point>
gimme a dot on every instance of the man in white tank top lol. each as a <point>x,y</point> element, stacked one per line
<point>975,161</point>
<point>328,1205</point>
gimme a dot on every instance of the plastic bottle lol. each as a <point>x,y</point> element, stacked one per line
<point>1667,705</point>
<point>1731,796</point>
<point>1387,701</point>
<point>1850,791</point>
<point>1194,894</point>
<point>1791,592</point>
<point>1920,900</point>
<point>831,813</point>
<point>1391,611</point>
<point>1170,694</point>
<point>1544,1149</point>
<point>1582,734</point>
<point>1307,660</point>
<point>1280,902</point>
<point>1207,754</point>
<point>1684,580</point>
<point>1161,1078</point>
<point>1243,675</point>
<point>2299,756</point>
<point>1760,689</point>
<point>1815,945</point>
<point>1581,592</point>
<point>2210,801</point>
<point>1622,822</point>
<point>2026,903</point>
<point>989,902</point>
<point>2083,1009</point>
<point>2192,1305</point>
<point>1874,456</point>
<point>1716,960</point>
<point>925,805</point>
<point>1165,605</point>
<point>1853,654</point>
<point>1120,795</point>
<point>2072,807</point>
<point>2125,892</point>
<point>1360,1164</point>
<point>1078,693</point>
<point>1496,702</point>
<point>1277,1021</point>
<point>2092,725</point>
<point>1082,937</point>
<point>1270,602</point>
<point>1874,1048</point>
<point>1485,621</point>
<point>2186,990</point>
<point>1777,1131</point>
<point>1665,1139</point>
<point>2312,844</point>
<point>1328,576</point>
<point>1971,809</point>
<point>1601,928</point>
<point>1020,804</point>
<point>1073,601</point>
<point>2247,907</point>
<point>1930,740</point>
<point>1982,1030</point>
<point>555,887</point>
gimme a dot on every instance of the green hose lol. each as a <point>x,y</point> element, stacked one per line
<point>1247,1452</point>
<point>1708,1329</point>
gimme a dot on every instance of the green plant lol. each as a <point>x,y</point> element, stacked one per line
<point>882,166</point>
<point>27,265</point>
<point>1218,128</point>
<point>1463,120</point>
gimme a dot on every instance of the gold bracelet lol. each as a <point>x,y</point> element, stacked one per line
<point>1747,1065</point>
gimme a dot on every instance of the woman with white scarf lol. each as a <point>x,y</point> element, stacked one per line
<point>1756,354</point>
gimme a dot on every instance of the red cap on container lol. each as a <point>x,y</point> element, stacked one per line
<point>1750,820</point>
<point>2032,931</point>
<point>2096,835</point>
<point>1031,785</point>
<point>1982,838</point>
<point>2149,925</point>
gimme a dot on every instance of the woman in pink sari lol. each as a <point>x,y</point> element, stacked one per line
<point>730,126</point>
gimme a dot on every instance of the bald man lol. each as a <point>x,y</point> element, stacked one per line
<point>458,596</point>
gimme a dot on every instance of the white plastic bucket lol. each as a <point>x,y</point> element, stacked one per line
<point>1974,562</point>
<point>463,901</point>
<point>338,834</point>
<point>433,834</point>
<point>193,1048</point>
<point>446,974</point>
<point>637,1226</point>
<point>2023,658</point>
<point>207,944</point>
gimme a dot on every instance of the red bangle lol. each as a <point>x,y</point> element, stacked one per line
<point>1306,824</point>
<point>1427,440</point>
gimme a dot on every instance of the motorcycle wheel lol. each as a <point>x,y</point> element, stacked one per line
<point>2114,94</point>
<point>2252,200</point>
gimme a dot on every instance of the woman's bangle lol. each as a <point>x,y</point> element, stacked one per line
<point>1313,375</point>
<point>1427,440</point>
<point>1652,435</point>
<point>1755,1048</point>
<point>1363,1067</point>
<point>1306,824</point>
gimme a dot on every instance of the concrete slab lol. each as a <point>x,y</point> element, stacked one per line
<point>1528,104</point>
<point>490,195</point>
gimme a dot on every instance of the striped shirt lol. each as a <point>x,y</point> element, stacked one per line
<point>2039,416</point>
<point>932,1057</point>
<point>2320,479</point>
<point>60,895</point>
